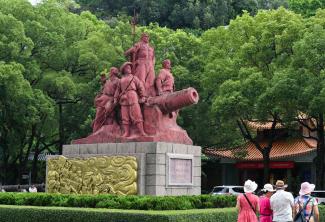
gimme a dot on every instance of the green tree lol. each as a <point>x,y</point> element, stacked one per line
<point>179,13</point>
<point>245,70</point>
<point>306,8</point>
<point>308,68</point>
<point>22,110</point>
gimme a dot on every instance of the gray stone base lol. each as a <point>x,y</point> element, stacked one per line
<point>157,173</point>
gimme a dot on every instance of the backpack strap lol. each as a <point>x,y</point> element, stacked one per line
<point>312,210</point>
<point>304,207</point>
<point>250,204</point>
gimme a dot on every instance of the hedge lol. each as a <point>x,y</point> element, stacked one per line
<point>119,202</point>
<point>62,214</point>
<point>65,214</point>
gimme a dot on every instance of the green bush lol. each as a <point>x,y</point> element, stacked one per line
<point>119,202</point>
<point>322,212</point>
<point>59,214</point>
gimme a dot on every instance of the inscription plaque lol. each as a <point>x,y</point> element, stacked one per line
<point>180,170</point>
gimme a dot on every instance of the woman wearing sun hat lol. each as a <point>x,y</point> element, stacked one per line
<point>265,206</point>
<point>247,203</point>
<point>307,203</point>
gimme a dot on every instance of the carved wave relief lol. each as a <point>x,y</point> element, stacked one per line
<point>93,175</point>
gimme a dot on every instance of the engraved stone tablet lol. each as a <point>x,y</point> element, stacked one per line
<point>180,170</point>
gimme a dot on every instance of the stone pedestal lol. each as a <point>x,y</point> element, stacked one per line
<point>163,168</point>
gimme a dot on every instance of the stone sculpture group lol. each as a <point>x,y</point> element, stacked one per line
<point>139,107</point>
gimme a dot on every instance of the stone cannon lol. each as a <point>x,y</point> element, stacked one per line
<point>174,101</point>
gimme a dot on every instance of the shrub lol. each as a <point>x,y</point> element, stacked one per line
<point>119,202</point>
<point>57,214</point>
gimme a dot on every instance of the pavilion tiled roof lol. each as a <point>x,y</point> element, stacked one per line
<point>280,149</point>
<point>258,125</point>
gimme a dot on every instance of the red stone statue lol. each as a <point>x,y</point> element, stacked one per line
<point>143,60</point>
<point>105,113</point>
<point>130,92</point>
<point>165,79</point>
<point>149,107</point>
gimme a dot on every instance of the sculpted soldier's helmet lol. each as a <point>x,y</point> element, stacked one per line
<point>124,65</point>
<point>165,62</point>
<point>144,34</point>
<point>145,37</point>
<point>113,71</point>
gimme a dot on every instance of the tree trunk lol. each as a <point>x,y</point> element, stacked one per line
<point>5,170</point>
<point>266,163</point>
<point>320,159</point>
<point>34,166</point>
<point>61,132</point>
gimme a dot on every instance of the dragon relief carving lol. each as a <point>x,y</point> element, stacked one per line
<point>93,175</point>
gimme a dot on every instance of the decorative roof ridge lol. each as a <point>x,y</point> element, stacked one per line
<point>261,141</point>
<point>262,125</point>
<point>228,148</point>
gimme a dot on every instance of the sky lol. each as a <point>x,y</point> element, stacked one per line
<point>34,2</point>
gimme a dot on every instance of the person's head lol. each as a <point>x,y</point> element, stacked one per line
<point>145,37</point>
<point>126,68</point>
<point>268,189</point>
<point>250,186</point>
<point>166,64</point>
<point>279,185</point>
<point>113,72</point>
<point>306,188</point>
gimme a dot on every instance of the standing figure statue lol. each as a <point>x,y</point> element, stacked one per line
<point>165,79</point>
<point>143,59</point>
<point>105,113</point>
<point>129,94</point>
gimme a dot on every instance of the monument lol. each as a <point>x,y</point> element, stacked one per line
<point>136,146</point>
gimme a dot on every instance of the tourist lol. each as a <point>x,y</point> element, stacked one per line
<point>32,189</point>
<point>282,203</point>
<point>305,205</point>
<point>247,203</point>
<point>265,205</point>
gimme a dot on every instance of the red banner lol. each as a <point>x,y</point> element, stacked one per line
<point>260,165</point>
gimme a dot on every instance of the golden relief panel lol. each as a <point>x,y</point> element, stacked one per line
<point>93,175</point>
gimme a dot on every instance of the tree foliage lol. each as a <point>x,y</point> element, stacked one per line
<point>270,68</point>
<point>194,14</point>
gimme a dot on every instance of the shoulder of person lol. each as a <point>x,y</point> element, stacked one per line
<point>313,200</point>
<point>288,193</point>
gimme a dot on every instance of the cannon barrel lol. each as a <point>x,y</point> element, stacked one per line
<point>176,100</point>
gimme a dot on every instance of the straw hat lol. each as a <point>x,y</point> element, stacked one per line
<point>306,188</point>
<point>250,186</point>
<point>268,188</point>
<point>280,184</point>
